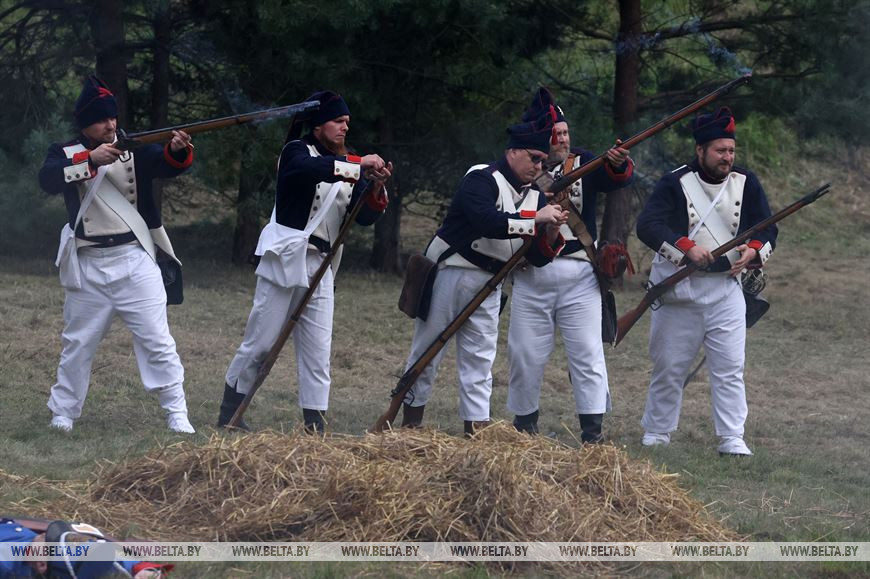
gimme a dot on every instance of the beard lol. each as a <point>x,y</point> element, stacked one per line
<point>718,171</point>
<point>337,147</point>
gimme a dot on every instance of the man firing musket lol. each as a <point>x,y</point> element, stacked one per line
<point>319,186</point>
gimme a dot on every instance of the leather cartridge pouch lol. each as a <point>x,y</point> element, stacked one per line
<point>417,289</point>
<point>172,281</point>
<point>608,317</point>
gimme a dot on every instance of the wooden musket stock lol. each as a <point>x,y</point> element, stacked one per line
<point>629,318</point>
<point>406,382</point>
<point>543,183</point>
<point>126,142</point>
<point>287,328</point>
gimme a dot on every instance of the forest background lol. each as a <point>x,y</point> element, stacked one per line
<point>432,86</point>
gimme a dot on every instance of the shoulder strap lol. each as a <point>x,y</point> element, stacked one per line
<point>708,216</point>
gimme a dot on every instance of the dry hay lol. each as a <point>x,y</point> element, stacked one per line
<point>412,485</point>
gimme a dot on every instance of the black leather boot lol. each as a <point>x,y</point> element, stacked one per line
<point>229,405</point>
<point>472,427</point>
<point>527,422</point>
<point>412,416</point>
<point>590,428</point>
<point>313,420</point>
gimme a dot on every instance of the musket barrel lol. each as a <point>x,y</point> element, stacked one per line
<point>569,178</point>
<point>126,141</point>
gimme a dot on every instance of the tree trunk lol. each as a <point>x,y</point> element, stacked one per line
<point>162,26</point>
<point>247,229</point>
<point>107,30</point>
<point>386,248</point>
<point>620,209</point>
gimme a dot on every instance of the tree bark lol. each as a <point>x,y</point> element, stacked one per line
<point>161,24</point>
<point>386,247</point>
<point>247,229</point>
<point>107,30</point>
<point>619,209</point>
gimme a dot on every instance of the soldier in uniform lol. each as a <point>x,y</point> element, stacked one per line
<point>108,255</point>
<point>492,208</point>
<point>563,294</point>
<point>318,183</point>
<point>692,211</point>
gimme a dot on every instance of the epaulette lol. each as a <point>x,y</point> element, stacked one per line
<point>679,168</point>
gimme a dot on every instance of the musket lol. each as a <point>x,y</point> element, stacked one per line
<point>546,183</point>
<point>293,319</point>
<point>409,378</point>
<point>543,183</point>
<point>629,318</point>
<point>126,142</point>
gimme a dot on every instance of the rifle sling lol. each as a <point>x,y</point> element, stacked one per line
<point>579,229</point>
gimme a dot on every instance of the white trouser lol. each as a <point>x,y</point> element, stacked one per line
<point>562,294</point>
<point>312,336</point>
<point>709,310</point>
<point>476,340</point>
<point>121,280</point>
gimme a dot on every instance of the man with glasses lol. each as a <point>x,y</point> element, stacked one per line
<point>490,212</point>
<point>563,294</point>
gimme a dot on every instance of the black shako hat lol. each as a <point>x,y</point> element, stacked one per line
<point>541,103</point>
<point>532,134</point>
<point>706,128</point>
<point>95,103</point>
<point>331,106</point>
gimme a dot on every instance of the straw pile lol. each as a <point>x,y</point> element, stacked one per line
<point>405,486</point>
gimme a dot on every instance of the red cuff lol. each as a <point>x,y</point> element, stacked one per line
<point>166,568</point>
<point>377,199</point>
<point>353,159</point>
<point>548,250</point>
<point>755,244</point>
<point>624,176</point>
<point>167,154</point>
<point>528,214</point>
<point>684,244</point>
<point>81,157</point>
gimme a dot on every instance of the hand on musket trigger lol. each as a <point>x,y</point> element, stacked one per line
<point>747,254</point>
<point>105,154</point>
<point>617,155</point>
<point>180,140</point>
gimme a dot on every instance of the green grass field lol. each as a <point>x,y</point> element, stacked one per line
<point>807,380</point>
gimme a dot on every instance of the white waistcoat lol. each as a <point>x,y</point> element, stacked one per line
<point>509,201</point>
<point>336,211</point>
<point>100,219</point>
<point>721,221</point>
